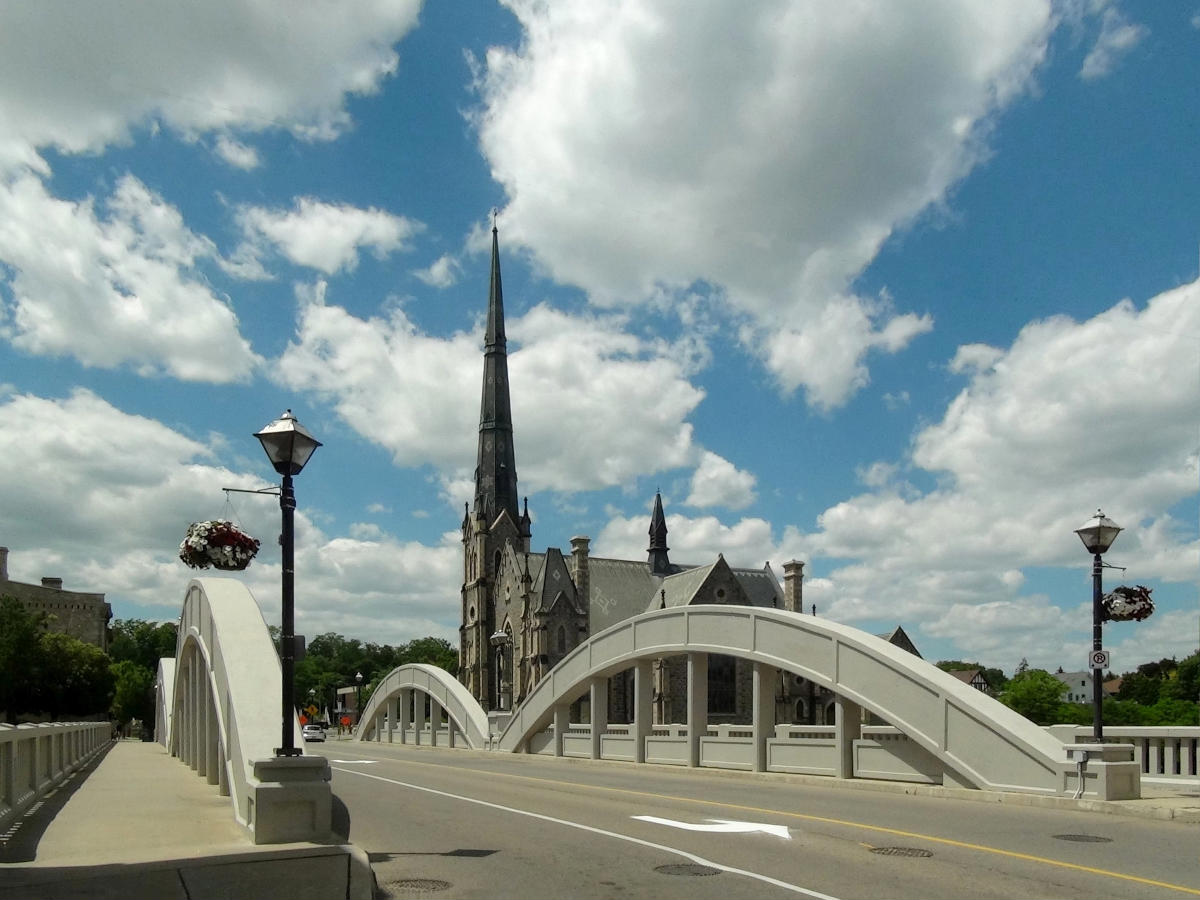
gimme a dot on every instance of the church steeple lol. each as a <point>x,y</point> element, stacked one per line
<point>659,563</point>
<point>496,469</point>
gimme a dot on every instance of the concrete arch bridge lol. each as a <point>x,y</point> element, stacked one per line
<point>940,730</point>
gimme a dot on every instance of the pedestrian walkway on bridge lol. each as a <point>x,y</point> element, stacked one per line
<point>138,823</point>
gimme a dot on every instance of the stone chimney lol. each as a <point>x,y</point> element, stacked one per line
<point>793,586</point>
<point>3,564</point>
<point>49,582</point>
<point>579,566</point>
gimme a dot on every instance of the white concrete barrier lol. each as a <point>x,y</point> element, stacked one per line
<point>36,758</point>
<point>391,715</point>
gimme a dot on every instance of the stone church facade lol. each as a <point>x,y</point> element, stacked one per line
<point>523,611</point>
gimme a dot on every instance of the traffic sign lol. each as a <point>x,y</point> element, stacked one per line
<point>1098,659</point>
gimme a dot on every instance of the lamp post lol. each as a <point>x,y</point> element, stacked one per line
<point>357,697</point>
<point>289,446</point>
<point>1098,535</point>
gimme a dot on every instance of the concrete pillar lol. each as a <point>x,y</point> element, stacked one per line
<point>599,705</point>
<point>763,711</point>
<point>391,717</point>
<point>406,697</point>
<point>202,727</point>
<point>213,744</point>
<point>847,729</point>
<point>562,719</point>
<point>380,722</point>
<point>435,721</point>
<point>697,704</point>
<point>643,707</point>
<point>222,773</point>
<point>418,715</point>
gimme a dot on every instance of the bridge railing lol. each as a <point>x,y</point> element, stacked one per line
<point>36,758</point>
<point>1163,751</point>
<point>225,717</point>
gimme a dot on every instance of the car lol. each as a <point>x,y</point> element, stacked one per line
<point>313,733</point>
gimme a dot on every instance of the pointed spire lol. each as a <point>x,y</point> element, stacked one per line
<point>660,564</point>
<point>496,473</point>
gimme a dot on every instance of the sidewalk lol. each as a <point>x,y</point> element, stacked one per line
<point>140,823</point>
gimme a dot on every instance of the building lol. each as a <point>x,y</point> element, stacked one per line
<point>523,611</point>
<point>1077,686</point>
<point>82,615</point>
<point>974,677</point>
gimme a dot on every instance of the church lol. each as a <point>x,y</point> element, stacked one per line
<point>523,611</point>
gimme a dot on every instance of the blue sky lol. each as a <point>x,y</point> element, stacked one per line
<point>902,291</point>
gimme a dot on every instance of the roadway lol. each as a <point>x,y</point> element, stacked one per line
<point>466,824</point>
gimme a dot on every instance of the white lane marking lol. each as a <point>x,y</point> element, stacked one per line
<point>691,857</point>
<point>726,826</point>
<point>364,762</point>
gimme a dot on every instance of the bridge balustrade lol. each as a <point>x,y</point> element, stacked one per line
<point>36,758</point>
<point>397,708</point>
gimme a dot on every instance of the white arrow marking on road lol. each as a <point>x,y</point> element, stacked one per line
<point>727,826</point>
<point>365,762</point>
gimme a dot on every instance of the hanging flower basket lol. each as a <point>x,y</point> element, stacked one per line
<point>219,544</point>
<point>1128,604</point>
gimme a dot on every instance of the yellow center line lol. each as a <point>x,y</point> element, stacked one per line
<point>883,829</point>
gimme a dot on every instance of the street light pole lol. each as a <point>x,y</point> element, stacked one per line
<point>1097,536</point>
<point>357,698</point>
<point>289,446</point>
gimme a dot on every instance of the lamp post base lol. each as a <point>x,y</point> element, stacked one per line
<point>289,751</point>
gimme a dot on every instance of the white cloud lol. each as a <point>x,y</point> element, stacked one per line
<point>767,151</point>
<point>697,541</point>
<point>239,155</point>
<point>718,482</point>
<point>107,515</point>
<point>326,236</point>
<point>225,65</point>
<point>120,288</point>
<point>442,273</point>
<point>418,396</point>
<point>1117,38</point>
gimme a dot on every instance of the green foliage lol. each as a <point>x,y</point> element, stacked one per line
<point>20,649</point>
<point>1140,688</point>
<point>73,678</point>
<point>133,697</point>
<point>1034,693</point>
<point>142,642</point>
<point>1186,683</point>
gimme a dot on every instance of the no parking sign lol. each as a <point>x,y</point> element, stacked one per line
<point>1098,659</point>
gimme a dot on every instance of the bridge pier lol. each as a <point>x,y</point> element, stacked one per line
<point>418,716</point>
<point>847,729</point>
<point>599,713</point>
<point>643,710</point>
<point>391,718</point>
<point>562,721</point>
<point>697,704</point>
<point>763,711</point>
<point>406,699</point>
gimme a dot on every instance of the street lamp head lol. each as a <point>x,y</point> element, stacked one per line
<point>288,444</point>
<point>1099,533</point>
<point>358,677</point>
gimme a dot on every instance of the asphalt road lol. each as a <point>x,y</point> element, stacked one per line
<point>455,823</point>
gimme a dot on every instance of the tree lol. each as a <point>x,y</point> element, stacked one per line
<point>1186,683</point>
<point>20,658</point>
<point>73,678</point>
<point>1140,687</point>
<point>144,643</point>
<point>1035,694</point>
<point>133,696</point>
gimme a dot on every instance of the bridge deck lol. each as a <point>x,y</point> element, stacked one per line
<point>140,823</point>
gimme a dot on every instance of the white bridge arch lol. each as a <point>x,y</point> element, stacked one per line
<point>224,717</point>
<point>399,701</point>
<point>975,740</point>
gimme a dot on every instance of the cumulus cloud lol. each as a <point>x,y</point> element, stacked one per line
<point>239,155</point>
<point>626,399</point>
<point>765,151</point>
<point>63,496</point>
<point>1035,415</point>
<point>118,286</point>
<point>441,273</point>
<point>718,482</point>
<point>225,65</point>
<point>326,236</point>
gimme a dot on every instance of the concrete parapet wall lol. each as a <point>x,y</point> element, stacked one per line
<point>36,758</point>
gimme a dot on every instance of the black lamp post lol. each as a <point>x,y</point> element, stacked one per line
<point>1097,536</point>
<point>289,446</point>
<point>357,697</point>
